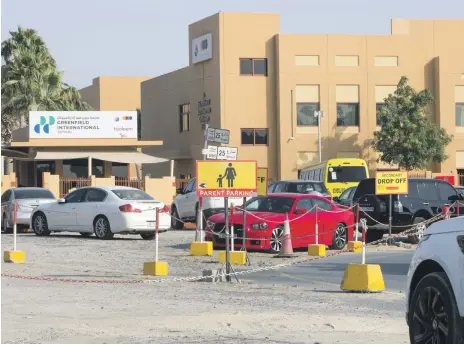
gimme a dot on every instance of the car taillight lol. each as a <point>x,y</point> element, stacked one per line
<point>165,209</point>
<point>129,208</point>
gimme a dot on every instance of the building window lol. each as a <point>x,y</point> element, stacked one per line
<point>460,114</point>
<point>347,114</point>
<point>378,106</point>
<point>251,136</point>
<point>184,117</point>
<point>305,114</point>
<point>253,67</point>
<point>80,168</point>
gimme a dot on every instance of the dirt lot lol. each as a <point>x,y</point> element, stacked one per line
<point>41,311</point>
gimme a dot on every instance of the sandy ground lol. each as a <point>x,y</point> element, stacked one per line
<point>40,311</point>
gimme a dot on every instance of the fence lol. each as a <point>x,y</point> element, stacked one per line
<point>417,174</point>
<point>68,183</point>
<point>181,182</point>
<point>130,182</point>
<point>461,180</point>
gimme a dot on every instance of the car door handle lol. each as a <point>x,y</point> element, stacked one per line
<point>425,203</point>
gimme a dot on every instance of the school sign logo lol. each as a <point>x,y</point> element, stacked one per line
<point>43,126</point>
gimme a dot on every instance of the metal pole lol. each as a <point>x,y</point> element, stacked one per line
<point>363,257</point>
<point>232,233</point>
<point>15,217</point>
<point>244,226</point>
<point>200,221</point>
<point>205,146</point>
<point>90,166</point>
<point>226,212</point>
<point>319,136</point>
<point>357,222</point>
<point>156,235</point>
<point>390,218</point>
<point>317,227</point>
<point>172,167</point>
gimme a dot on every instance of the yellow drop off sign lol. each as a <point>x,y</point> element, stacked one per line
<point>391,182</point>
<point>262,181</point>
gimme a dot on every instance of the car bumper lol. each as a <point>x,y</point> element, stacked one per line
<point>133,224</point>
<point>255,240</point>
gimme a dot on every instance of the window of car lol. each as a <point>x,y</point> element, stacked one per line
<point>271,187</point>
<point>33,194</point>
<point>321,204</point>
<point>132,194</point>
<point>76,196</point>
<point>445,191</point>
<point>6,196</point>
<point>428,190</point>
<point>305,187</point>
<point>279,188</point>
<point>365,187</point>
<point>270,204</point>
<point>304,203</point>
<point>189,187</point>
<point>346,194</point>
<point>95,195</point>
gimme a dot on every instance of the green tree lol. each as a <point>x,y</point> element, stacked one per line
<point>30,80</point>
<point>407,136</point>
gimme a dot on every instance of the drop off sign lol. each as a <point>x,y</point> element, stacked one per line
<point>391,182</point>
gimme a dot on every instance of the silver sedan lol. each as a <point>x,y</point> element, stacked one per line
<point>27,198</point>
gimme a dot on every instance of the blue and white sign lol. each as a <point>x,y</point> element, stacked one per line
<point>202,48</point>
<point>82,124</point>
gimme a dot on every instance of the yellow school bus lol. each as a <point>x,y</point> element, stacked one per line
<point>337,174</point>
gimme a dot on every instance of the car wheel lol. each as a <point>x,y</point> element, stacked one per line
<point>149,236</point>
<point>5,228</point>
<point>417,237</point>
<point>102,229</point>
<point>40,224</point>
<point>276,239</point>
<point>373,235</point>
<point>433,313</point>
<point>340,237</point>
<point>86,234</point>
<point>176,223</point>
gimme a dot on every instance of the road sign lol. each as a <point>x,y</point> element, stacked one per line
<point>262,181</point>
<point>227,153</point>
<point>218,135</point>
<point>224,178</point>
<point>211,152</point>
<point>391,182</point>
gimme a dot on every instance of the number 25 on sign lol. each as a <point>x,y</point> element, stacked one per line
<point>391,182</point>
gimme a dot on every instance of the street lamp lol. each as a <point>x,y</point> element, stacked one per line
<point>319,115</point>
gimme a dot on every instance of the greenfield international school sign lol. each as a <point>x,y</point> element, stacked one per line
<point>82,124</point>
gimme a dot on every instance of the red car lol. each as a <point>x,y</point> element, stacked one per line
<point>265,222</point>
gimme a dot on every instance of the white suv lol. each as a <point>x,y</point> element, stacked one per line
<point>435,285</point>
<point>185,205</point>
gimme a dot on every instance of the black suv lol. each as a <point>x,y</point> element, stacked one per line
<point>424,200</point>
<point>298,186</point>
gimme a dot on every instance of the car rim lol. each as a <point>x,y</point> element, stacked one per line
<point>420,234</point>
<point>174,218</point>
<point>100,227</point>
<point>340,236</point>
<point>5,223</point>
<point>276,239</point>
<point>39,224</point>
<point>430,321</point>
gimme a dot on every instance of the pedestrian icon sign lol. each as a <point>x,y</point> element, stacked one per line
<point>226,178</point>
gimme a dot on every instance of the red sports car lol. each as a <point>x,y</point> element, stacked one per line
<point>265,222</point>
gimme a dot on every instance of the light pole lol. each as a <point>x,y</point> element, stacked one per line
<point>319,115</point>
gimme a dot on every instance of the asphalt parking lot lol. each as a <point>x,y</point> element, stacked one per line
<point>297,304</point>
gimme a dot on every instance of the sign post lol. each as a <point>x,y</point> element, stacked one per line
<point>389,183</point>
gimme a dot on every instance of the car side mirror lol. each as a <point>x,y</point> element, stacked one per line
<point>61,201</point>
<point>180,191</point>
<point>336,199</point>
<point>300,211</point>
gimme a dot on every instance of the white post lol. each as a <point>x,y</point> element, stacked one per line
<point>363,258</point>
<point>156,235</point>
<point>205,146</point>
<point>15,216</point>
<point>172,167</point>
<point>90,166</point>
<point>317,227</point>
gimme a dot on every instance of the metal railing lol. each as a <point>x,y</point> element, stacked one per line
<point>130,182</point>
<point>181,182</point>
<point>461,180</point>
<point>417,174</point>
<point>69,183</point>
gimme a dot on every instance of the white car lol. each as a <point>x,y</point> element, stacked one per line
<point>104,211</point>
<point>185,205</point>
<point>435,285</point>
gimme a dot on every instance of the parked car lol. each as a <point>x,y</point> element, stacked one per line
<point>104,211</point>
<point>27,198</point>
<point>425,199</point>
<point>346,198</point>
<point>434,292</point>
<point>298,186</point>
<point>265,219</point>
<point>185,205</point>
<point>460,189</point>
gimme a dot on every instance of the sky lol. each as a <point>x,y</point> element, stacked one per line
<point>89,38</point>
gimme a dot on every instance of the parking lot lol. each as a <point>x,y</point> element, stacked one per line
<point>298,303</point>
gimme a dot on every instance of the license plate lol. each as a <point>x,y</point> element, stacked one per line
<point>224,235</point>
<point>151,224</point>
<point>367,209</point>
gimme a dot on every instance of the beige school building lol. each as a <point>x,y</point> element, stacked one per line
<point>246,76</point>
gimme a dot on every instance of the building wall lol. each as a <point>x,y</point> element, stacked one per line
<point>325,69</point>
<point>91,94</point>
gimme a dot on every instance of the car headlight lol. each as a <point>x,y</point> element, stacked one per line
<point>424,238</point>
<point>210,224</point>
<point>258,226</point>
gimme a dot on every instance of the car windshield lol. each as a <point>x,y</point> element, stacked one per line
<point>306,187</point>
<point>33,194</point>
<point>269,204</point>
<point>132,194</point>
<point>346,174</point>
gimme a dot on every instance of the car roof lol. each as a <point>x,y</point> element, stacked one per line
<point>293,195</point>
<point>298,181</point>
<point>29,188</point>
<point>110,188</point>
